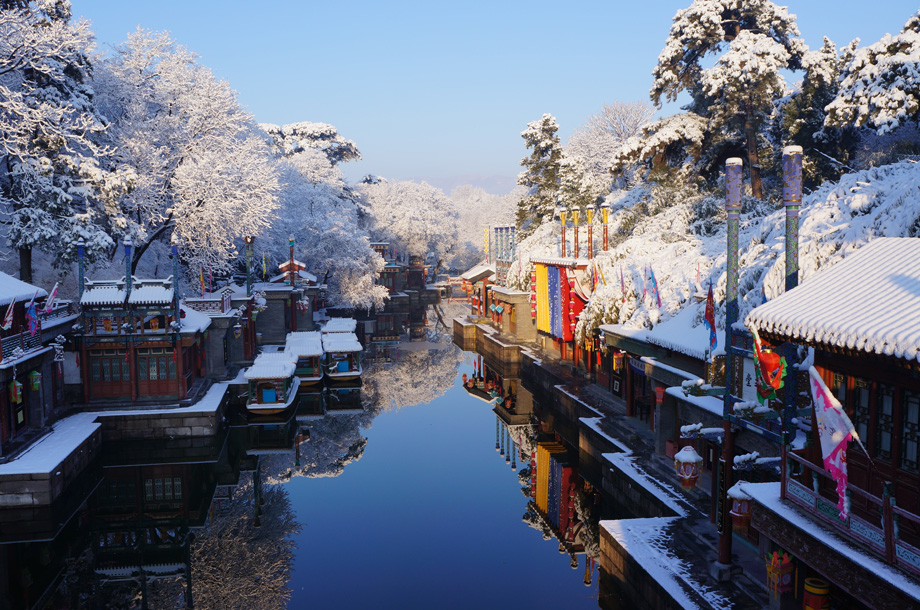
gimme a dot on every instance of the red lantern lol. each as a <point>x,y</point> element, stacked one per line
<point>15,392</point>
<point>688,465</point>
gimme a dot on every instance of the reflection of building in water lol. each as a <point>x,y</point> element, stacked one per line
<point>154,494</point>
<point>562,505</point>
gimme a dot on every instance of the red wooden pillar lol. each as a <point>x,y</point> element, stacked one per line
<point>178,354</point>
<point>132,366</point>
<point>84,369</point>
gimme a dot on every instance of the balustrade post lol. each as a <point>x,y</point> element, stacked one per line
<point>888,520</point>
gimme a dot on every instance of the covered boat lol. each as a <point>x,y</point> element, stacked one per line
<point>272,383</point>
<point>306,349</point>
<point>343,356</point>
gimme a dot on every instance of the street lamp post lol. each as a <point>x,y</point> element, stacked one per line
<point>605,218</point>
<point>575,214</point>
<point>590,211</point>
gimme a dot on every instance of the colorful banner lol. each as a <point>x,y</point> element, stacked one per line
<point>709,317</point>
<point>770,369</point>
<point>543,316</point>
<point>655,287</point>
<point>835,431</point>
<point>555,307</point>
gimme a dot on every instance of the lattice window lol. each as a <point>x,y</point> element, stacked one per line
<point>885,419</point>
<point>910,430</point>
<point>860,415</point>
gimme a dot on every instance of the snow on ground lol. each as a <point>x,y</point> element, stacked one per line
<point>646,541</point>
<point>767,494</point>
<point>684,244</point>
<point>44,455</point>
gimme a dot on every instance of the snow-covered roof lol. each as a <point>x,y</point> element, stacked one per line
<point>151,292</point>
<point>560,262</point>
<point>304,275</point>
<point>194,321</point>
<point>273,365</point>
<point>478,272</point>
<point>104,292</point>
<point>341,342</point>
<point>304,344</point>
<point>340,325</point>
<point>13,290</point>
<point>869,301</point>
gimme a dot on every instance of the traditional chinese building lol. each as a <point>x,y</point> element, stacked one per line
<point>861,320</point>
<point>135,342</point>
<point>561,288</point>
<point>27,371</point>
<point>231,336</point>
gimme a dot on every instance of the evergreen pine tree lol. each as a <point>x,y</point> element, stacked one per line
<point>540,175</point>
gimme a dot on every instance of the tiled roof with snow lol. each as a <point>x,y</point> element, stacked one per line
<point>341,342</point>
<point>103,293</point>
<point>13,290</point>
<point>194,321</point>
<point>340,325</point>
<point>478,272</point>
<point>560,262</point>
<point>151,292</point>
<point>869,302</point>
<point>273,365</point>
<point>304,344</point>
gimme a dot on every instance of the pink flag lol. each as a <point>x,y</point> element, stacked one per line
<point>835,431</point>
<point>49,302</point>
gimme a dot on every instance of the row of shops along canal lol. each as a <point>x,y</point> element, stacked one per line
<point>424,483</point>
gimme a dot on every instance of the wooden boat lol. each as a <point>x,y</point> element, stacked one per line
<point>342,356</point>
<point>306,349</point>
<point>272,384</point>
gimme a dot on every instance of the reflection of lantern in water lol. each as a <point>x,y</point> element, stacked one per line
<point>688,464</point>
<point>497,424</point>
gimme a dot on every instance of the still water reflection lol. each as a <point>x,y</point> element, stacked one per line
<point>414,489</point>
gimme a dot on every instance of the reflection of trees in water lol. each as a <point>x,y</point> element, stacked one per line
<point>422,372</point>
<point>334,442</point>
<point>236,564</point>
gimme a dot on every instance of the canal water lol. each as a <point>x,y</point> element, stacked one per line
<point>415,488</point>
<point>431,515</point>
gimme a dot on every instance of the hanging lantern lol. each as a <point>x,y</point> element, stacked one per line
<point>154,323</point>
<point>35,380</point>
<point>688,465</point>
<point>15,392</point>
<point>741,510</point>
<point>107,324</point>
<point>237,331</point>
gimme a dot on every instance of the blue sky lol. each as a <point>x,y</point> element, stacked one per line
<point>440,91</point>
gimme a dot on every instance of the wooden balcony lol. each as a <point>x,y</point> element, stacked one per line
<point>877,523</point>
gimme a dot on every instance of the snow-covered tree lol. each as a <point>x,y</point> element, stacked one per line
<point>540,175</point>
<point>476,210</point>
<point>754,39</point>
<point>238,565</point>
<point>801,116</point>
<point>600,137</point>
<point>880,86</point>
<point>417,217</point>
<point>52,190</point>
<point>320,211</point>
<point>203,171</point>
<point>298,137</point>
